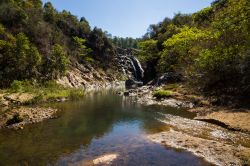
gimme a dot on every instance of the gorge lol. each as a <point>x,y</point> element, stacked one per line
<point>74,95</point>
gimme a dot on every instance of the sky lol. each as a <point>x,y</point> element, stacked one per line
<point>127,18</point>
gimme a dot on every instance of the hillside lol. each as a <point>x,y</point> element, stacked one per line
<point>39,43</point>
<point>209,49</point>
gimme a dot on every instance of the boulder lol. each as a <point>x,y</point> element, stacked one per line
<point>126,93</point>
<point>131,84</point>
<point>166,78</point>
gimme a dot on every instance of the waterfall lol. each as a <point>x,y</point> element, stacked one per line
<point>138,71</point>
<point>129,65</point>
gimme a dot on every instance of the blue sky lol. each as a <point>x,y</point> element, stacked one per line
<point>127,18</point>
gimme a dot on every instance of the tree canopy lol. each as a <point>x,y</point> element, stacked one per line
<point>210,48</point>
<point>38,42</point>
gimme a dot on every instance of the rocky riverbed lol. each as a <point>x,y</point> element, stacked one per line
<point>228,117</point>
<point>218,134</point>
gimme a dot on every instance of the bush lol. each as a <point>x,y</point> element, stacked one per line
<point>16,86</point>
<point>159,94</point>
<point>15,119</point>
<point>75,94</point>
<point>21,86</point>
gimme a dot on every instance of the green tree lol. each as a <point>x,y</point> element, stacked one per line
<point>57,63</point>
<point>181,50</point>
<point>19,58</point>
<point>81,50</point>
<point>149,56</point>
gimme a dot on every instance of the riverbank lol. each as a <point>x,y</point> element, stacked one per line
<point>218,134</point>
<point>19,105</point>
<point>177,95</point>
<point>17,118</point>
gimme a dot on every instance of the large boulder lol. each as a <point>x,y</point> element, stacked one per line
<point>166,78</point>
<point>131,84</point>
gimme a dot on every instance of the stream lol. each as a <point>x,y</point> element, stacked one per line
<point>103,123</point>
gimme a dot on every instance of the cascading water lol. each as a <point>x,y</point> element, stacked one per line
<point>138,70</point>
<point>130,66</point>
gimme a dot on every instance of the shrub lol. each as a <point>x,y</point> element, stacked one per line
<point>159,94</point>
<point>16,86</point>
<point>22,86</point>
<point>75,94</point>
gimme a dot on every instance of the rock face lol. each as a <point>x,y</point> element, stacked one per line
<point>128,64</point>
<point>87,77</point>
<point>166,78</point>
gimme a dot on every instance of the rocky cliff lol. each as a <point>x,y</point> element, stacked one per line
<point>88,77</point>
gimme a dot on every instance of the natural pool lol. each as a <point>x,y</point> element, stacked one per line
<point>102,123</point>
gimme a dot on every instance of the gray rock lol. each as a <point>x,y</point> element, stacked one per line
<point>131,84</point>
<point>166,79</point>
<point>126,93</point>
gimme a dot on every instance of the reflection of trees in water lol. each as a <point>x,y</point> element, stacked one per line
<point>78,124</point>
<point>129,102</point>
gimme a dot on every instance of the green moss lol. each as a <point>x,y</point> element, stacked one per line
<point>159,94</point>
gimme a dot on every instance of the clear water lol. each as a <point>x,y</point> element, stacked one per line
<point>102,123</point>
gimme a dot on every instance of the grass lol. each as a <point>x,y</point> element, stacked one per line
<point>159,94</point>
<point>171,87</point>
<point>49,91</point>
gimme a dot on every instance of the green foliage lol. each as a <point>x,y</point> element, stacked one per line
<point>15,119</point>
<point>49,91</point>
<point>125,43</point>
<point>100,44</point>
<point>20,59</point>
<point>148,50</point>
<point>149,57</point>
<point>181,48</point>
<point>11,14</point>
<point>36,42</point>
<point>58,62</point>
<point>81,50</point>
<point>18,86</point>
<point>212,53</point>
<point>52,91</point>
<point>159,94</point>
<point>203,17</point>
<point>76,94</point>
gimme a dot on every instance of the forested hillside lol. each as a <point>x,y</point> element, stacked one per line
<point>38,42</point>
<point>125,43</point>
<point>210,48</point>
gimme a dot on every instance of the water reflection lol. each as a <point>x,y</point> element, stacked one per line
<point>101,123</point>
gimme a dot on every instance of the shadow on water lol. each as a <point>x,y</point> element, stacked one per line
<point>101,123</point>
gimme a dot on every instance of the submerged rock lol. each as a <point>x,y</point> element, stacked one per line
<point>105,159</point>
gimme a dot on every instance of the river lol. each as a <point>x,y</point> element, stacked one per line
<point>103,123</point>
